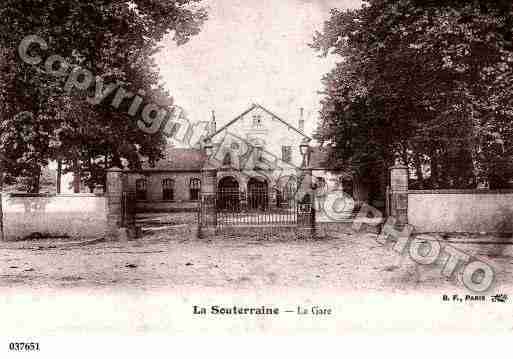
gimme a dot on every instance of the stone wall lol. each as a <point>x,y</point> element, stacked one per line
<point>77,215</point>
<point>471,211</point>
<point>449,210</point>
<point>167,206</point>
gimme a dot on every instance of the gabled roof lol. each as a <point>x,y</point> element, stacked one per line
<point>254,106</point>
<point>179,159</point>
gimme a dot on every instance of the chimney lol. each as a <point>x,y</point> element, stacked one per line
<point>301,122</point>
<point>213,125</point>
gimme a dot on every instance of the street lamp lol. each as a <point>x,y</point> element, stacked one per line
<point>304,149</point>
<point>308,200</point>
<point>208,148</point>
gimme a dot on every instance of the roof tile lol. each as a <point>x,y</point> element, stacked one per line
<point>179,159</point>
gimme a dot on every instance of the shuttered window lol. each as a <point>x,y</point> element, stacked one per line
<point>168,189</point>
<point>141,189</point>
<point>194,189</point>
<point>286,153</point>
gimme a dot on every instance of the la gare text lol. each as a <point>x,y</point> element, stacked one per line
<point>262,310</point>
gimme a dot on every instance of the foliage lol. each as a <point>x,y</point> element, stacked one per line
<point>428,83</point>
<point>116,41</point>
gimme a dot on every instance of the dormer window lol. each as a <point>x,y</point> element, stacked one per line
<point>257,121</point>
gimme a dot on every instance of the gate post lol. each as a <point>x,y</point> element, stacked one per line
<point>1,199</point>
<point>116,181</point>
<point>399,193</point>
<point>207,199</point>
<point>306,191</point>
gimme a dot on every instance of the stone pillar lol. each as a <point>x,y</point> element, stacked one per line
<point>116,182</point>
<point>208,181</point>
<point>207,211</point>
<point>1,199</point>
<point>399,193</point>
<point>1,216</point>
<point>307,210</point>
<point>306,182</point>
<point>243,192</point>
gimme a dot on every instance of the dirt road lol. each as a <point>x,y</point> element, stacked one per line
<point>352,262</point>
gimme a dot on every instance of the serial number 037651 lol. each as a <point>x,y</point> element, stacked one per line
<point>23,347</point>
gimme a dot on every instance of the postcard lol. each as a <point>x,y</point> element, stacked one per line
<point>269,168</point>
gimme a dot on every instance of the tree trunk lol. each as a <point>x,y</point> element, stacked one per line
<point>116,160</point>
<point>418,171</point>
<point>356,189</point>
<point>35,181</point>
<point>91,175</point>
<point>434,170</point>
<point>76,176</point>
<point>446,173</point>
<point>59,176</point>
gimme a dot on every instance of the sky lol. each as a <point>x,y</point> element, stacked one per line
<point>251,51</point>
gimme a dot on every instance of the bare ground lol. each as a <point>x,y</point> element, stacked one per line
<point>353,262</point>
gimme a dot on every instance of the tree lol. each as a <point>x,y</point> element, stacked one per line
<point>423,82</point>
<point>114,40</point>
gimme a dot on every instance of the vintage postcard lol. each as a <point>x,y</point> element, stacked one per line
<point>273,167</point>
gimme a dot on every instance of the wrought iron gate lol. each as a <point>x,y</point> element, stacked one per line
<point>231,207</point>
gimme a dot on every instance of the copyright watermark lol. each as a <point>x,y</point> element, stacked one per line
<point>172,122</point>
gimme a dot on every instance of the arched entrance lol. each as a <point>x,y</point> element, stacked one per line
<point>258,194</point>
<point>228,194</point>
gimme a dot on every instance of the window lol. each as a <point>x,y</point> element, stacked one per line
<point>140,189</point>
<point>168,189</point>
<point>321,186</point>
<point>286,153</point>
<point>321,183</point>
<point>257,121</point>
<point>195,188</point>
<point>227,160</point>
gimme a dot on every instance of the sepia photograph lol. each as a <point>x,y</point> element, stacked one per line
<point>239,167</point>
